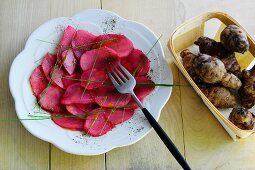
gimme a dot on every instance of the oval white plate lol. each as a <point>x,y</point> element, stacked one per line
<point>96,22</point>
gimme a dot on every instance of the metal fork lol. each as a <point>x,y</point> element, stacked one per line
<point>124,82</point>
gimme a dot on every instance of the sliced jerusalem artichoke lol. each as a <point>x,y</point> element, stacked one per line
<point>242,118</point>
<point>212,70</point>
<point>216,49</point>
<point>220,97</point>
<point>247,91</point>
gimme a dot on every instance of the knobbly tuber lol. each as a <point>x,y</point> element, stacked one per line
<point>212,70</point>
<point>216,49</point>
<point>213,48</point>
<point>220,97</point>
<point>247,91</point>
<point>187,58</point>
<point>232,66</point>
<point>242,118</point>
<point>234,39</point>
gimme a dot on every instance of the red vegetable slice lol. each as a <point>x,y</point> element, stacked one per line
<point>69,61</point>
<point>87,107</point>
<point>119,43</point>
<point>66,39</point>
<point>56,76</point>
<point>110,98</point>
<point>131,104</point>
<point>137,63</point>
<point>144,86</point>
<point>48,64</point>
<point>73,109</point>
<point>49,99</point>
<point>77,109</point>
<point>71,123</point>
<point>96,124</point>
<point>119,115</point>
<point>51,71</point>
<point>94,78</point>
<point>70,79</point>
<point>74,94</point>
<point>38,80</point>
<point>99,59</point>
<point>82,41</point>
<point>107,83</point>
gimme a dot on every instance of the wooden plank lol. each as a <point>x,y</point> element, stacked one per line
<point>68,8</point>
<point>19,149</point>
<point>207,144</point>
<point>150,152</point>
<point>59,159</point>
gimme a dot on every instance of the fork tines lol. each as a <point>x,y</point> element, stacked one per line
<point>119,74</point>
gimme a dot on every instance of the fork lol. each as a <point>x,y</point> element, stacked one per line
<point>124,82</point>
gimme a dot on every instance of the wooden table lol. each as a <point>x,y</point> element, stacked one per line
<point>192,127</point>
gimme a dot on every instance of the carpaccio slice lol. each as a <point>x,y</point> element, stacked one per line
<point>38,81</point>
<point>71,123</point>
<point>48,63</point>
<point>99,59</point>
<point>82,41</point>
<point>144,86</point>
<point>70,79</point>
<point>56,76</point>
<point>131,104</point>
<point>107,83</point>
<point>73,109</point>
<point>137,63</point>
<point>109,97</point>
<point>119,43</point>
<point>75,94</point>
<point>69,61</point>
<point>92,79</point>
<point>50,98</point>
<point>87,107</point>
<point>78,109</point>
<point>66,40</point>
<point>96,124</point>
<point>117,116</point>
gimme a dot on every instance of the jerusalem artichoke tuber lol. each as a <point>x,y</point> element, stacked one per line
<point>232,66</point>
<point>216,49</point>
<point>213,48</point>
<point>212,70</point>
<point>220,97</point>
<point>187,58</point>
<point>234,39</point>
<point>247,91</point>
<point>242,118</point>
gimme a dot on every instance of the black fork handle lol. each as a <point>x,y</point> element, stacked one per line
<point>167,141</point>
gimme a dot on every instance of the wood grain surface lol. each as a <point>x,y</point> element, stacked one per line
<point>194,130</point>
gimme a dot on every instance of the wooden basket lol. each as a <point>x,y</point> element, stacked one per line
<point>186,34</point>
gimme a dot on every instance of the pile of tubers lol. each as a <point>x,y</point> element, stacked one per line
<point>218,75</point>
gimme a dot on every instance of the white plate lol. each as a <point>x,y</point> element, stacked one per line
<point>96,22</point>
